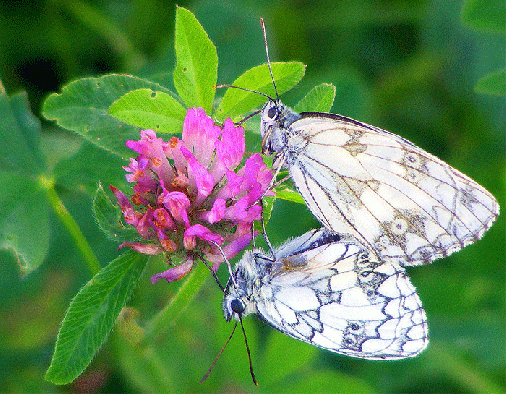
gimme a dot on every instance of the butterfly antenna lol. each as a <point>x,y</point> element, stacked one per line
<point>219,355</point>
<point>249,353</point>
<point>268,58</point>
<point>214,276</point>
<point>226,262</point>
<point>247,117</point>
<point>245,89</point>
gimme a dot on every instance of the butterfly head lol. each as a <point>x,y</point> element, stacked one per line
<point>233,308</point>
<point>238,292</point>
<point>234,303</point>
<point>275,120</point>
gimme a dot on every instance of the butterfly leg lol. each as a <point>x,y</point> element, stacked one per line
<point>267,241</point>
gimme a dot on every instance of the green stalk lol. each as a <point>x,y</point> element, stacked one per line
<point>142,365</point>
<point>70,224</point>
<point>464,373</point>
<point>168,316</point>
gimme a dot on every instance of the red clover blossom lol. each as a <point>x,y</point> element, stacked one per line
<point>187,197</point>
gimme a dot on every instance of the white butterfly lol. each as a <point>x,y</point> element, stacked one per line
<point>400,201</point>
<point>328,290</point>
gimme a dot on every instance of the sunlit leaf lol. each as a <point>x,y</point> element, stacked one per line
<point>197,62</point>
<point>237,102</point>
<point>83,107</point>
<point>149,109</point>
<point>319,99</point>
<point>285,193</point>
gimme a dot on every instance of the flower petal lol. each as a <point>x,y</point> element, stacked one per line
<point>231,249</point>
<point>177,203</point>
<point>136,169</point>
<point>204,181</point>
<point>145,224</point>
<point>126,206</point>
<point>174,273</point>
<point>230,148</point>
<point>216,213</point>
<point>202,232</point>
<point>149,249</point>
<point>233,186</point>
<point>200,135</point>
<point>153,149</point>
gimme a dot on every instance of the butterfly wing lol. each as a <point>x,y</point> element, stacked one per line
<point>402,202</point>
<point>337,296</point>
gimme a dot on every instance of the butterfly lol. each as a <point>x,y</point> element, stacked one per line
<point>401,202</point>
<point>329,290</point>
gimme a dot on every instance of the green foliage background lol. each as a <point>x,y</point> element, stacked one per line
<point>407,66</point>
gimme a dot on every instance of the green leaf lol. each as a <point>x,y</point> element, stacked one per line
<point>83,107</point>
<point>492,83</point>
<point>148,109</point>
<point>485,15</point>
<point>285,193</point>
<point>20,132</point>
<point>196,70</point>
<point>319,99</point>
<point>24,220</point>
<point>237,102</point>
<point>108,216</point>
<point>299,353</point>
<point>24,216</point>
<point>300,375</point>
<point>91,316</point>
<point>89,166</point>
<point>267,206</point>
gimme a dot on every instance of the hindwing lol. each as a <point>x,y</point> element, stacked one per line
<point>334,294</point>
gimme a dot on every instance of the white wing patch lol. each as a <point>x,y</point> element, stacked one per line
<point>334,294</point>
<point>402,202</point>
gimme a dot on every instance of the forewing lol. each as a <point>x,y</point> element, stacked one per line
<point>344,301</point>
<point>404,203</point>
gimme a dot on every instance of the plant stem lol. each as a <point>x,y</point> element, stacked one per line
<point>71,225</point>
<point>169,315</point>
<point>463,372</point>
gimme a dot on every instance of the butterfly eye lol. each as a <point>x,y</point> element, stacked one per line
<point>237,306</point>
<point>272,112</point>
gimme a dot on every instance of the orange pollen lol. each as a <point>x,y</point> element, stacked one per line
<point>136,199</point>
<point>138,174</point>
<point>173,142</point>
<point>179,182</point>
<point>156,161</point>
<point>169,245</point>
<point>162,220</point>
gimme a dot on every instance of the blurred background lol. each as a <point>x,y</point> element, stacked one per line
<point>409,67</point>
